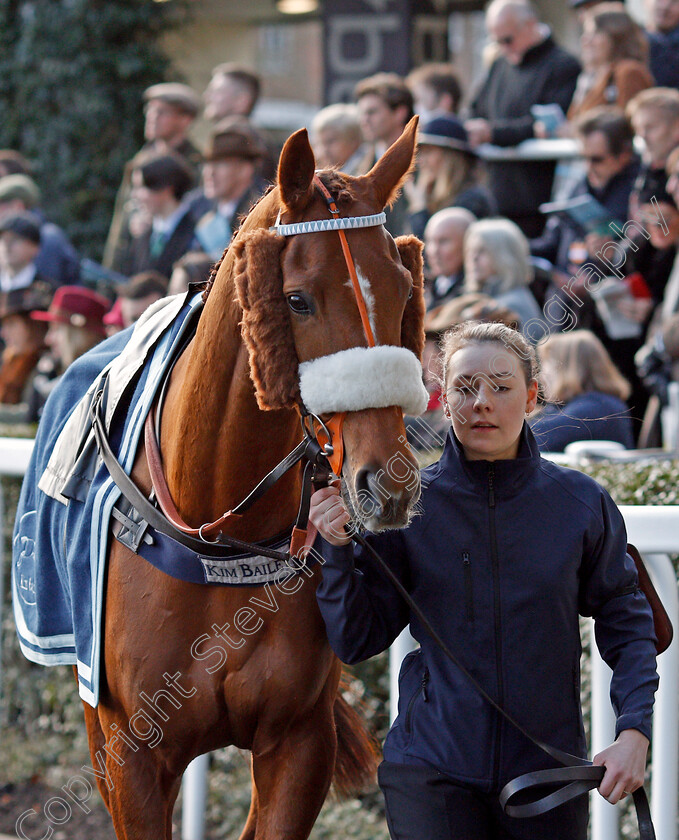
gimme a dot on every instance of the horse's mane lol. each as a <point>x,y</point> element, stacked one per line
<point>338,185</point>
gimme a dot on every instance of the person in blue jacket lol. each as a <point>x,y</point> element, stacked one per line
<point>585,394</point>
<point>508,550</point>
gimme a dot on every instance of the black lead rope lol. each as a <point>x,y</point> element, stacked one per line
<point>576,775</point>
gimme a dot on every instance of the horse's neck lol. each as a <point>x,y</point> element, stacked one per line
<point>216,442</point>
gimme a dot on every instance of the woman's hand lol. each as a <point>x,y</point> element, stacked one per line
<point>625,763</point>
<point>478,131</point>
<point>328,513</point>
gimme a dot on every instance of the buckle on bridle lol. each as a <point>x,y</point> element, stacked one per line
<point>307,420</point>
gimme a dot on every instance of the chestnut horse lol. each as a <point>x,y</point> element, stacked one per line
<point>229,416</point>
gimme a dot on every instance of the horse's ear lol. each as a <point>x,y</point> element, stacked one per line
<point>391,170</point>
<point>412,325</point>
<point>296,171</point>
<point>274,367</point>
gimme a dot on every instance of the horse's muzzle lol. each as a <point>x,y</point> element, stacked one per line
<point>379,504</point>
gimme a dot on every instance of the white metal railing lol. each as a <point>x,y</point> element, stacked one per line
<point>655,532</point>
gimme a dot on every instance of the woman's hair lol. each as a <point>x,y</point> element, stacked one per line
<point>509,248</point>
<point>627,38</point>
<point>471,332</point>
<point>456,174</point>
<point>579,363</point>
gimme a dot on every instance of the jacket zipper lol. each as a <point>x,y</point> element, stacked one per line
<point>468,591</point>
<point>497,617</point>
<point>422,690</point>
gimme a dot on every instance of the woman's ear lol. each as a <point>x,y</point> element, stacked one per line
<point>532,398</point>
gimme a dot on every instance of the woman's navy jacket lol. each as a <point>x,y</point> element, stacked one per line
<point>502,559</point>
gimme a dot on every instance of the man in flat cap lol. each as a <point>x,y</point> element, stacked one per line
<point>230,181</point>
<point>57,260</point>
<point>170,108</point>
<point>19,246</point>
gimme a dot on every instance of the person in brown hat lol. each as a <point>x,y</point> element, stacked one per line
<point>24,339</point>
<point>230,182</point>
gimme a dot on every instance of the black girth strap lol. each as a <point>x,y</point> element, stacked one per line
<point>578,775</point>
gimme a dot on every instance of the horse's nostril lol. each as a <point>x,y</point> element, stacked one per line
<point>373,501</point>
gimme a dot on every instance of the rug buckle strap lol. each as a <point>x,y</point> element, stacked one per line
<point>130,528</point>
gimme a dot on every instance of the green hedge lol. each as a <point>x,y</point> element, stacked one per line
<point>72,74</point>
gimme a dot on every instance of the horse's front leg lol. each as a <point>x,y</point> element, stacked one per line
<point>293,771</point>
<point>143,796</point>
<point>250,828</point>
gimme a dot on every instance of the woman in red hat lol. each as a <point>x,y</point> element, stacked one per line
<point>76,324</point>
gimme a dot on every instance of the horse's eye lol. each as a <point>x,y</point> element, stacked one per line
<point>410,293</point>
<point>299,305</point>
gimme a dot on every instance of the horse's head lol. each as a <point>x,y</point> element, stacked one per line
<point>309,342</point>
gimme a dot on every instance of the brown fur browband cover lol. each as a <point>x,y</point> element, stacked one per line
<point>274,366</point>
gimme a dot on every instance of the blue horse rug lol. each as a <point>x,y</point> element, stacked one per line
<point>62,525</point>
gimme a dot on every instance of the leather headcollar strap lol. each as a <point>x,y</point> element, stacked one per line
<point>329,433</point>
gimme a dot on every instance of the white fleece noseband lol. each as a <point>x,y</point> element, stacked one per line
<point>363,377</point>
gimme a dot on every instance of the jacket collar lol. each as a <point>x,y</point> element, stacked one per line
<point>508,475</point>
<point>537,51</point>
<point>621,181</point>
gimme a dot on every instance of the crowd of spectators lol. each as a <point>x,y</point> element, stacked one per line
<point>586,268</point>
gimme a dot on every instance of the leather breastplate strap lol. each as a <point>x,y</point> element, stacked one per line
<point>150,513</point>
<point>308,449</point>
